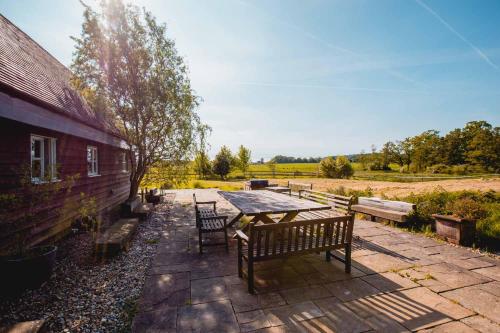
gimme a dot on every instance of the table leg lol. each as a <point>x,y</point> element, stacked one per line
<point>289,217</point>
<point>236,219</point>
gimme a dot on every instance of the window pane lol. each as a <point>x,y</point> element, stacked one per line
<point>89,154</point>
<point>53,158</point>
<point>35,148</point>
<point>35,169</point>
<point>46,158</point>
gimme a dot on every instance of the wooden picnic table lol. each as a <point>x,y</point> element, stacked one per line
<point>260,204</point>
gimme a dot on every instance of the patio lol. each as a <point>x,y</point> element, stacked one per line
<point>399,282</point>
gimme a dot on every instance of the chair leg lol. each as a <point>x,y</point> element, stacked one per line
<point>348,258</point>
<point>250,276</point>
<point>200,241</point>
<point>328,255</point>
<point>227,242</point>
<point>240,258</point>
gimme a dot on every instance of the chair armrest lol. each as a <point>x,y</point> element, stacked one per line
<point>206,202</point>
<point>240,234</point>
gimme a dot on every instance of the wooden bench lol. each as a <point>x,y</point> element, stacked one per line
<point>341,205</point>
<point>136,208</point>
<point>282,240</point>
<point>207,221</point>
<point>297,187</point>
<point>397,211</point>
<point>116,237</point>
<point>33,326</point>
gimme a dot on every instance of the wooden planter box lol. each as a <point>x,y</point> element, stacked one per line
<point>455,230</point>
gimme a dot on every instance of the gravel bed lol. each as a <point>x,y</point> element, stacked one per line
<point>88,296</point>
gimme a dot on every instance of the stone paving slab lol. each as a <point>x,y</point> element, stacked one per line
<point>400,282</point>
<point>491,272</point>
<point>415,309</point>
<point>481,324</point>
<point>479,300</point>
<point>454,326</point>
<point>210,317</point>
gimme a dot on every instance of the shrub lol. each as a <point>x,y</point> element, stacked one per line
<point>336,168</point>
<point>167,185</point>
<point>344,167</point>
<point>466,208</point>
<point>341,190</point>
<point>489,226</point>
<point>198,184</point>
<point>328,168</point>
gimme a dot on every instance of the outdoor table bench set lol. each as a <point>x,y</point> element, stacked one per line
<point>281,226</point>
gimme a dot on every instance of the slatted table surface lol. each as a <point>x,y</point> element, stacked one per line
<point>252,203</point>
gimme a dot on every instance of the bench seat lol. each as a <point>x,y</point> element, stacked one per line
<point>391,215</point>
<point>143,210</point>
<point>116,237</point>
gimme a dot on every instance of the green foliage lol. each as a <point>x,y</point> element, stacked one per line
<point>489,226</point>
<point>466,208</point>
<point>280,159</point>
<point>202,165</point>
<point>27,205</point>
<point>341,190</point>
<point>483,206</point>
<point>132,76</point>
<point>473,149</point>
<point>336,168</point>
<point>223,162</point>
<point>243,158</point>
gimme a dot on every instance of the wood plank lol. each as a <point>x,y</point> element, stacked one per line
<point>266,202</point>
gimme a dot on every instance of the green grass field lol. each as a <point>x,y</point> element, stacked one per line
<point>303,170</point>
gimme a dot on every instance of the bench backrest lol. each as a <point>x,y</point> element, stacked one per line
<point>297,187</point>
<point>399,206</point>
<point>298,237</point>
<point>338,202</point>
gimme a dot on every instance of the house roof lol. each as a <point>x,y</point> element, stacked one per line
<point>32,73</point>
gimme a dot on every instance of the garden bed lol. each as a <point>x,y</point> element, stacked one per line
<point>85,295</point>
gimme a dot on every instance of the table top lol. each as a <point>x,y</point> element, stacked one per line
<point>277,188</point>
<point>268,202</point>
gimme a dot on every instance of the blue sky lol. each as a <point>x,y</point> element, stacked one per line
<point>317,77</point>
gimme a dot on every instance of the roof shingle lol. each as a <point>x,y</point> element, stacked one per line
<point>29,69</point>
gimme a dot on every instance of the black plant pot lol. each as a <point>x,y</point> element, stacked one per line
<point>28,271</point>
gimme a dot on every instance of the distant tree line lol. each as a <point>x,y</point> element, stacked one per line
<point>279,159</point>
<point>474,148</point>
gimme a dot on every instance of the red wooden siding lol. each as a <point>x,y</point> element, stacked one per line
<point>110,188</point>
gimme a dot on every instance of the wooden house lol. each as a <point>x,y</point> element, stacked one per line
<point>46,126</point>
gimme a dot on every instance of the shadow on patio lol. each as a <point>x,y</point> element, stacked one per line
<point>188,292</point>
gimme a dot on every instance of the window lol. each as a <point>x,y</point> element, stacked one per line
<point>123,161</point>
<point>43,158</point>
<point>92,161</point>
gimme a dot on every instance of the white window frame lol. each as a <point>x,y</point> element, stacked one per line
<point>52,158</point>
<point>94,161</point>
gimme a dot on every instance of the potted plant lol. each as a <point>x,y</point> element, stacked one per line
<point>24,264</point>
<point>458,225</point>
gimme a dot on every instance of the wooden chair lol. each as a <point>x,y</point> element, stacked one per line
<point>281,240</point>
<point>207,221</point>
